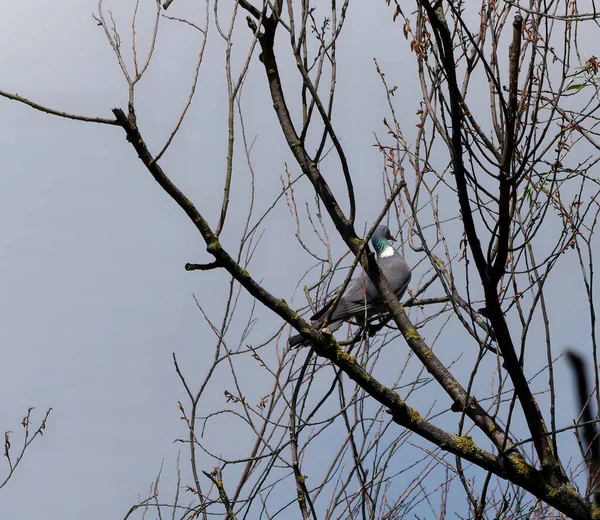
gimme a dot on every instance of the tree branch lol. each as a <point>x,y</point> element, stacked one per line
<point>51,111</point>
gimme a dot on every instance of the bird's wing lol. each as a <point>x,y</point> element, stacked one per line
<point>397,272</point>
<point>360,290</point>
<point>361,296</point>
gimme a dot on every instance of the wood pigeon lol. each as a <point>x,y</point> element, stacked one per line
<point>361,299</point>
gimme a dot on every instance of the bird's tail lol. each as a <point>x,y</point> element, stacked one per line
<point>297,341</point>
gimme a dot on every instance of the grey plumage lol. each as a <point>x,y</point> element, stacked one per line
<point>361,298</point>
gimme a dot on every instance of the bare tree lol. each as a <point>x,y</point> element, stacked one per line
<point>493,192</point>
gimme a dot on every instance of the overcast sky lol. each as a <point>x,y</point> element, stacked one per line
<point>94,295</point>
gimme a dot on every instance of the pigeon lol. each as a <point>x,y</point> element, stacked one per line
<point>361,298</point>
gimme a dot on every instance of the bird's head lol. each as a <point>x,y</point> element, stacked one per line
<point>382,241</point>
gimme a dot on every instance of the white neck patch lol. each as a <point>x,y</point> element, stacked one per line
<point>388,251</point>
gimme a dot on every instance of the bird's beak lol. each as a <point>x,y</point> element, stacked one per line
<point>392,238</point>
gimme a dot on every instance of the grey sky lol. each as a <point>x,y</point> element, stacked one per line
<point>94,294</point>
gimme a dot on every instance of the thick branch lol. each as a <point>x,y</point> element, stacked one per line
<point>508,153</point>
<point>308,166</point>
<point>216,478</point>
<point>445,47</point>
<point>461,399</point>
